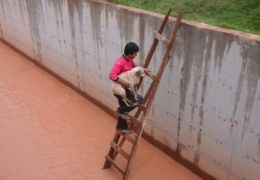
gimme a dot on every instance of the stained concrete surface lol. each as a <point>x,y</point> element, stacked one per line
<point>48,131</point>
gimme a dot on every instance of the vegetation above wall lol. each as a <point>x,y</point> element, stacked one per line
<point>243,15</point>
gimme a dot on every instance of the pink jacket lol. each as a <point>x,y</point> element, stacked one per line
<point>121,65</point>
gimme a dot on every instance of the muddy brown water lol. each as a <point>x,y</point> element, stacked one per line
<point>50,132</point>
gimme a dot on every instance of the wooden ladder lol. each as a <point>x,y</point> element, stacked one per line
<point>139,119</point>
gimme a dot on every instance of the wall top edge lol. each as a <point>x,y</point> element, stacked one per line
<point>236,33</point>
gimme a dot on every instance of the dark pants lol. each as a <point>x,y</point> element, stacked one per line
<point>125,109</point>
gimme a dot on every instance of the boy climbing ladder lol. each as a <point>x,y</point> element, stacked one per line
<point>139,119</point>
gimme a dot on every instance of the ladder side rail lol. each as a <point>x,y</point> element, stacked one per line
<point>165,57</point>
<point>145,100</point>
<point>111,152</point>
<point>166,54</point>
<point>120,144</point>
<point>154,45</point>
<point>165,60</point>
<point>155,41</point>
<point>168,49</point>
<point>153,92</point>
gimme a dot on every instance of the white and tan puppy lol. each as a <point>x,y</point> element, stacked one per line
<point>131,77</point>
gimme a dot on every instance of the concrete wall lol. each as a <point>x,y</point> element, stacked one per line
<point>207,107</point>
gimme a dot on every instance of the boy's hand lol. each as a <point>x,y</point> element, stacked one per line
<point>146,70</point>
<point>149,73</point>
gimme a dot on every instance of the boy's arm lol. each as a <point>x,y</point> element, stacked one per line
<point>114,75</point>
<point>148,72</point>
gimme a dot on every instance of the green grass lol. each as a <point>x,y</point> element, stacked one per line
<point>243,15</point>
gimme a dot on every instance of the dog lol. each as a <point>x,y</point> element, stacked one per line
<point>132,77</point>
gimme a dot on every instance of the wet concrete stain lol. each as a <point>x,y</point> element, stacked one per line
<point>57,5</point>
<point>258,153</point>
<point>75,7</point>
<point>109,13</point>
<point>21,8</point>
<point>222,43</point>
<point>125,21</point>
<point>185,72</point>
<point>142,26</point>
<point>95,14</point>
<point>34,9</point>
<point>2,7</point>
<point>83,65</point>
<point>197,156</point>
<point>251,53</point>
<point>207,58</point>
<point>185,78</point>
<point>1,31</point>
<point>175,155</point>
<point>192,63</point>
<point>205,76</point>
<point>239,88</point>
<point>198,64</point>
<point>178,47</point>
<point>249,71</point>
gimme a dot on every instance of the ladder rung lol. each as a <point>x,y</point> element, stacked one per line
<point>152,76</point>
<point>120,150</point>
<point>135,123</point>
<point>116,166</point>
<point>129,138</point>
<point>159,37</point>
<point>142,107</point>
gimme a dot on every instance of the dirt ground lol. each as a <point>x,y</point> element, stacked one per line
<point>49,132</point>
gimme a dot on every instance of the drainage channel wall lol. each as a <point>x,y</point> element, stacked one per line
<point>206,111</point>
